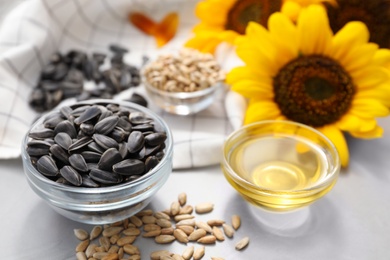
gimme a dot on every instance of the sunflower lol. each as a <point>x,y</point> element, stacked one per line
<point>225,20</point>
<point>374,13</point>
<point>302,72</point>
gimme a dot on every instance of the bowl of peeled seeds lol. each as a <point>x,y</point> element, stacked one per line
<point>98,161</point>
<point>183,82</point>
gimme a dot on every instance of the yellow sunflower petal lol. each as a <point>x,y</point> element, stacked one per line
<point>247,73</point>
<point>248,55</point>
<point>368,108</point>
<point>380,93</point>
<point>351,35</point>
<point>228,36</point>
<point>204,42</point>
<point>259,55</point>
<point>218,9</point>
<point>376,132</point>
<point>250,89</point>
<point>207,28</point>
<point>338,139</point>
<point>382,57</point>
<point>262,110</point>
<point>284,33</point>
<point>291,9</point>
<point>359,57</point>
<point>257,33</point>
<point>353,123</point>
<point>314,33</point>
<point>377,76</point>
<point>369,76</point>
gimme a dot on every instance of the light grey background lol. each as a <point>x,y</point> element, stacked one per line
<point>351,222</point>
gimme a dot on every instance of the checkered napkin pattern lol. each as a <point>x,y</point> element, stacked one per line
<point>35,29</point>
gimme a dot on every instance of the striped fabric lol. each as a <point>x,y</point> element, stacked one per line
<point>37,28</point>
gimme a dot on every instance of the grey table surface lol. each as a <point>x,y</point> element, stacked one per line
<point>350,222</point>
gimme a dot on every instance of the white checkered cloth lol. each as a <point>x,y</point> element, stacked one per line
<point>37,28</point>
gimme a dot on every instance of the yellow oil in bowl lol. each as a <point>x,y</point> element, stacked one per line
<point>280,165</point>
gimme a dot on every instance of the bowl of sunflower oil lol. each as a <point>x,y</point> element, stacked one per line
<point>280,168</point>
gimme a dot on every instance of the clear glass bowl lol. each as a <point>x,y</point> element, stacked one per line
<point>280,168</point>
<point>104,204</point>
<point>280,165</point>
<point>183,103</point>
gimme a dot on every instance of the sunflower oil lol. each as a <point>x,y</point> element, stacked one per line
<point>279,164</point>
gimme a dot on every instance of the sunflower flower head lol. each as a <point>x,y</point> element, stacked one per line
<point>225,20</point>
<point>375,14</point>
<point>303,72</point>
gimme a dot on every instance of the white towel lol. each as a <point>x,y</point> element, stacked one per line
<point>35,29</point>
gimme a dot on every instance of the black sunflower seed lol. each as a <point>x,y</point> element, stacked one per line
<point>37,151</point>
<point>106,125</point>
<point>94,147</point>
<point>63,140</point>
<point>66,111</point>
<point>151,150</point>
<point>160,155</point>
<point>87,181</point>
<point>41,133</point>
<point>143,127</point>
<point>105,114</point>
<point>71,175</point>
<point>118,134</point>
<point>150,163</point>
<point>47,166</point>
<point>105,177</point>
<point>155,139</point>
<point>109,158</point>
<point>91,157</point>
<point>105,142</point>
<point>87,129</point>
<point>53,122</point>
<point>66,127</point>
<point>80,143</point>
<point>125,124</point>
<point>78,162</point>
<point>139,118</point>
<point>118,49</point>
<point>79,110</point>
<point>129,167</point>
<point>59,153</point>
<point>135,141</point>
<point>123,149</point>
<point>88,114</point>
<point>45,144</point>
<point>138,99</point>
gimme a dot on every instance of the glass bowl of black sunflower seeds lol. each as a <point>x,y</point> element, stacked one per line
<point>98,161</point>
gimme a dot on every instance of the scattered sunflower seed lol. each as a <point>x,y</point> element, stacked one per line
<point>199,253</point>
<point>242,243</point>
<point>81,234</point>
<point>204,208</point>
<point>236,221</point>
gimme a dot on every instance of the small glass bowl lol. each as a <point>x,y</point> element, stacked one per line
<point>183,103</point>
<point>104,204</point>
<point>280,166</point>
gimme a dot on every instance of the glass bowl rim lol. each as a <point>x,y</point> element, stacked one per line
<point>183,95</point>
<point>108,189</point>
<point>327,181</point>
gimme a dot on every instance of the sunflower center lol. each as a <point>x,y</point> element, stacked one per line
<point>245,11</point>
<point>319,88</point>
<point>314,90</point>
